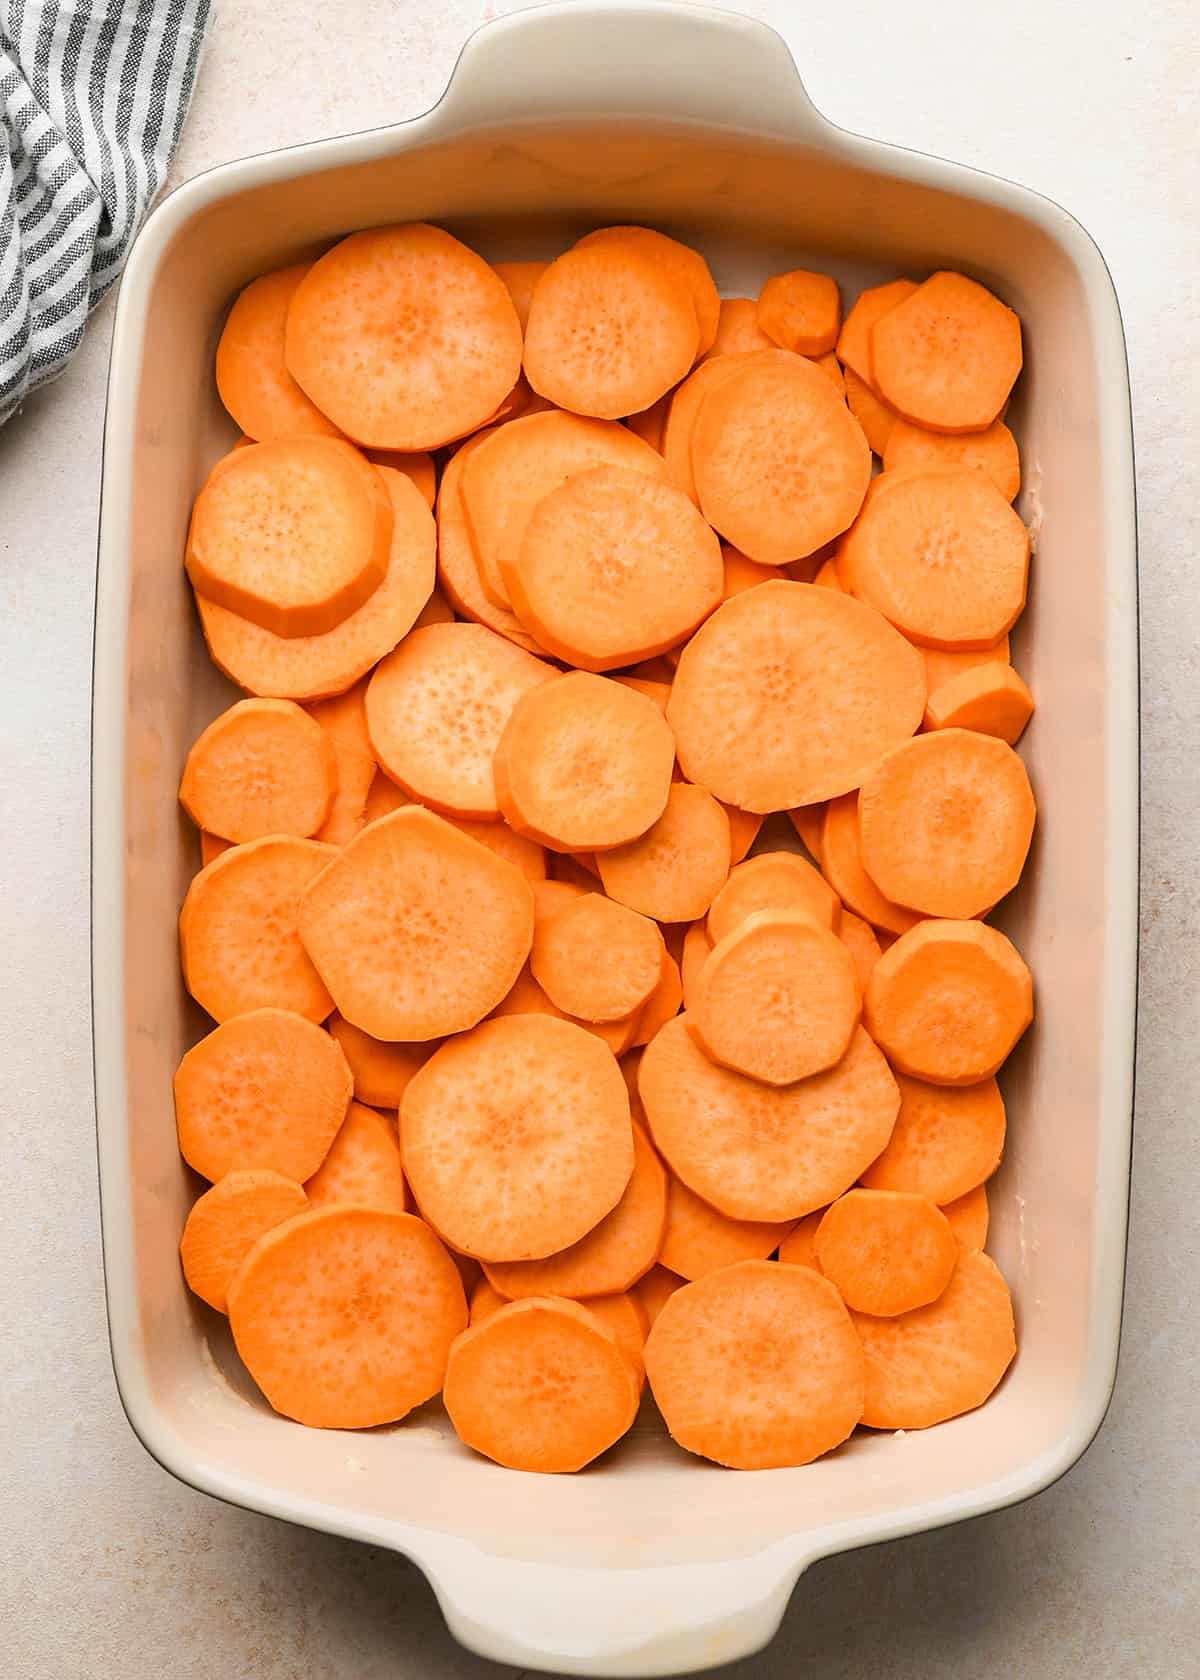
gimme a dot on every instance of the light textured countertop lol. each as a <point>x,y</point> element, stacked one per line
<point>110,1569</point>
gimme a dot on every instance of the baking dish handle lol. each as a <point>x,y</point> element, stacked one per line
<point>611,1621</point>
<point>612,59</point>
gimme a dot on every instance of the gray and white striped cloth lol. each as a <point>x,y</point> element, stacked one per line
<point>93,94</point>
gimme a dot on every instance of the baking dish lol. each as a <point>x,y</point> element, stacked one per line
<point>554,121</point>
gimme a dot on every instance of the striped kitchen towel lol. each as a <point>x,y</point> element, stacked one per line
<point>93,94</point>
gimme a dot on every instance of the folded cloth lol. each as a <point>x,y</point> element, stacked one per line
<point>93,94</point>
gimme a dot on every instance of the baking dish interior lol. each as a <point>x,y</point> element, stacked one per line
<point>753,207</point>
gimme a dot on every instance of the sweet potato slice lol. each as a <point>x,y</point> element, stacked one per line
<point>415,464</point>
<point>458,565</point>
<point>886,1251</point>
<point>596,959</point>
<point>686,402</point>
<point>859,939</point>
<point>801,311</point>
<point>610,330</point>
<point>697,946</point>
<point>947,1140</point>
<point>764,1152</point>
<point>584,764</point>
<point>294,535</point>
<point>381,1070</point>
<point>789,694</point>
<point>265,1090</point>
<point>517,1138</point>
<point>227,1221</point>
<point>948,355</point>
<point>780,463</point>
<point>528,998</point>
<point>947,1002</point>
<point>841,862</point>
<point>313,667</point>
<point>343,718</point>
<point>664,1001</point>
<point>854,340</point>
<point>613,1255</point>
<point>614,567</point>
<point>238,930</point>
<point>778,998</point>
<point>698,1240</point>
<point>417,930</point>
<point>540,1385</point>
<point>798,1248</point>
<point>941,664</point>
<point>945,823</point>
<point>942,1359</point>
<point>738,329</point>
<point>741,573</point>
<point>344,1316</point>
<point>404,337</point>
<point>252,377</point>
<point>437,707</point>
<point>362,1166</point>
<point>990,699</point>
<point>383,797</point>
<point>521,278</point>
<point>676,259</point>
<point>757,1366</point>
<point>743,831</point>
<point>942,556</point>
<point>968,1216</point>
<point>910,448</point>
<point>510,475</point>
<point>772,881</point>
<point>675,870</point>
<point>260,768</point>
<point>871,412</point>
<point>211,846</point>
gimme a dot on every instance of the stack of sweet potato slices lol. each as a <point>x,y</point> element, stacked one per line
<point>596,872</point>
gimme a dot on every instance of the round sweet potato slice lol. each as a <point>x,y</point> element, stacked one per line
<point>789,694</point>
<point>417,930</point>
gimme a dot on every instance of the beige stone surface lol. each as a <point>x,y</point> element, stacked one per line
<point>110,1569</point>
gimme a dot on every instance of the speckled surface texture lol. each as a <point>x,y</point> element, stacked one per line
<point>110,1568</point>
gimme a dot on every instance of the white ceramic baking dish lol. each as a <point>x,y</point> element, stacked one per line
<point>695,121</point>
